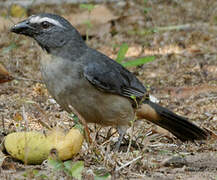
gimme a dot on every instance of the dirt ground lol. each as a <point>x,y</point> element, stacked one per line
<point>182,35</point>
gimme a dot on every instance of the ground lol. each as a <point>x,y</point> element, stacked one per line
<point>182,37</point>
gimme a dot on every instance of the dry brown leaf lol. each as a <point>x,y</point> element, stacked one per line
<point>18,117</point>
<point>4,75</point>
<point>212,136</point>
<point>98,17</point>
<point>8,164</point>
<point>161,131</point>
<point>194,49</point>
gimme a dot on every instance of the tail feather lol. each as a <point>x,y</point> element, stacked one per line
<point>179,126</point>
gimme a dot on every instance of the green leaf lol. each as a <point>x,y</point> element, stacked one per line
<point>133,97</point>
<point>68,164</point>
<point>138,61</point>
<point>9,48</point>
<point>89,7</point>
<point>75,169</point>
<point>75,119</point>
<point>104,177</point>
<point>42,176</point>
<point>56,164</point>
<point>25,174</point>
<point>35,172</point>
<point>88,24</point>
<point>67,167</point>
<point>146,10</point>
<point>122,52</point>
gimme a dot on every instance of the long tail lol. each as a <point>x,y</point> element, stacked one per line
<point>179,126</point>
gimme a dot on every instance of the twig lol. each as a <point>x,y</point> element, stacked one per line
<point>105,142</point>
<point>44,124</point>
<point>26,128</point>
<point>25,118</point>
<point>26,79</point>
<point>174,27</point>
<point>3,123</point>
<point>162,145</point>
<point>205,99</point>
<point>128,163</point>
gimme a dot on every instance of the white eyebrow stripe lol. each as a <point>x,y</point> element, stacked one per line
<point>38,19</point>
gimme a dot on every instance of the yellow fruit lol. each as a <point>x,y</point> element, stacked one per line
<point>34,147</point>
<point>71,144</point>
<point>31,147</point>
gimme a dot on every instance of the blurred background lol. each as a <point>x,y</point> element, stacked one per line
<point>171,45</point>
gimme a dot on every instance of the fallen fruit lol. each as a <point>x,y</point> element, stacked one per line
<point>34,147</point>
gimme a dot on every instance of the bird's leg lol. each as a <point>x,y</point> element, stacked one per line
<point>121,132</point>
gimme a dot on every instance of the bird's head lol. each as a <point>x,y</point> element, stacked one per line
<point>49,30</point>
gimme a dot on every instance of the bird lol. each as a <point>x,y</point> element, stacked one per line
<point>101,90</point>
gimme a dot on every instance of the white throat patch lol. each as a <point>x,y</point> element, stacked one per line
<point>38,20</point>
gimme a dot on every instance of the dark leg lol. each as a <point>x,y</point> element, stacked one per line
<point>121,132</point>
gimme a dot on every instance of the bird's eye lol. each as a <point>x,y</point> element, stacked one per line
<point>45,24</point>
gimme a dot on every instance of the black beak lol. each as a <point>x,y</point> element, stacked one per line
<point>23,28</point>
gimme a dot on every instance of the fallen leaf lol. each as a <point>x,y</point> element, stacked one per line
<point>98,17</point>
<point>213,136</point>
<point>18,117</point>
<point>8,164</point>
<point>161,131</point>
<point>4,75</point>
<point>95,16</point>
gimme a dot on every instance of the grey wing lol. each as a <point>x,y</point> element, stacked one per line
<point>113,78</point>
